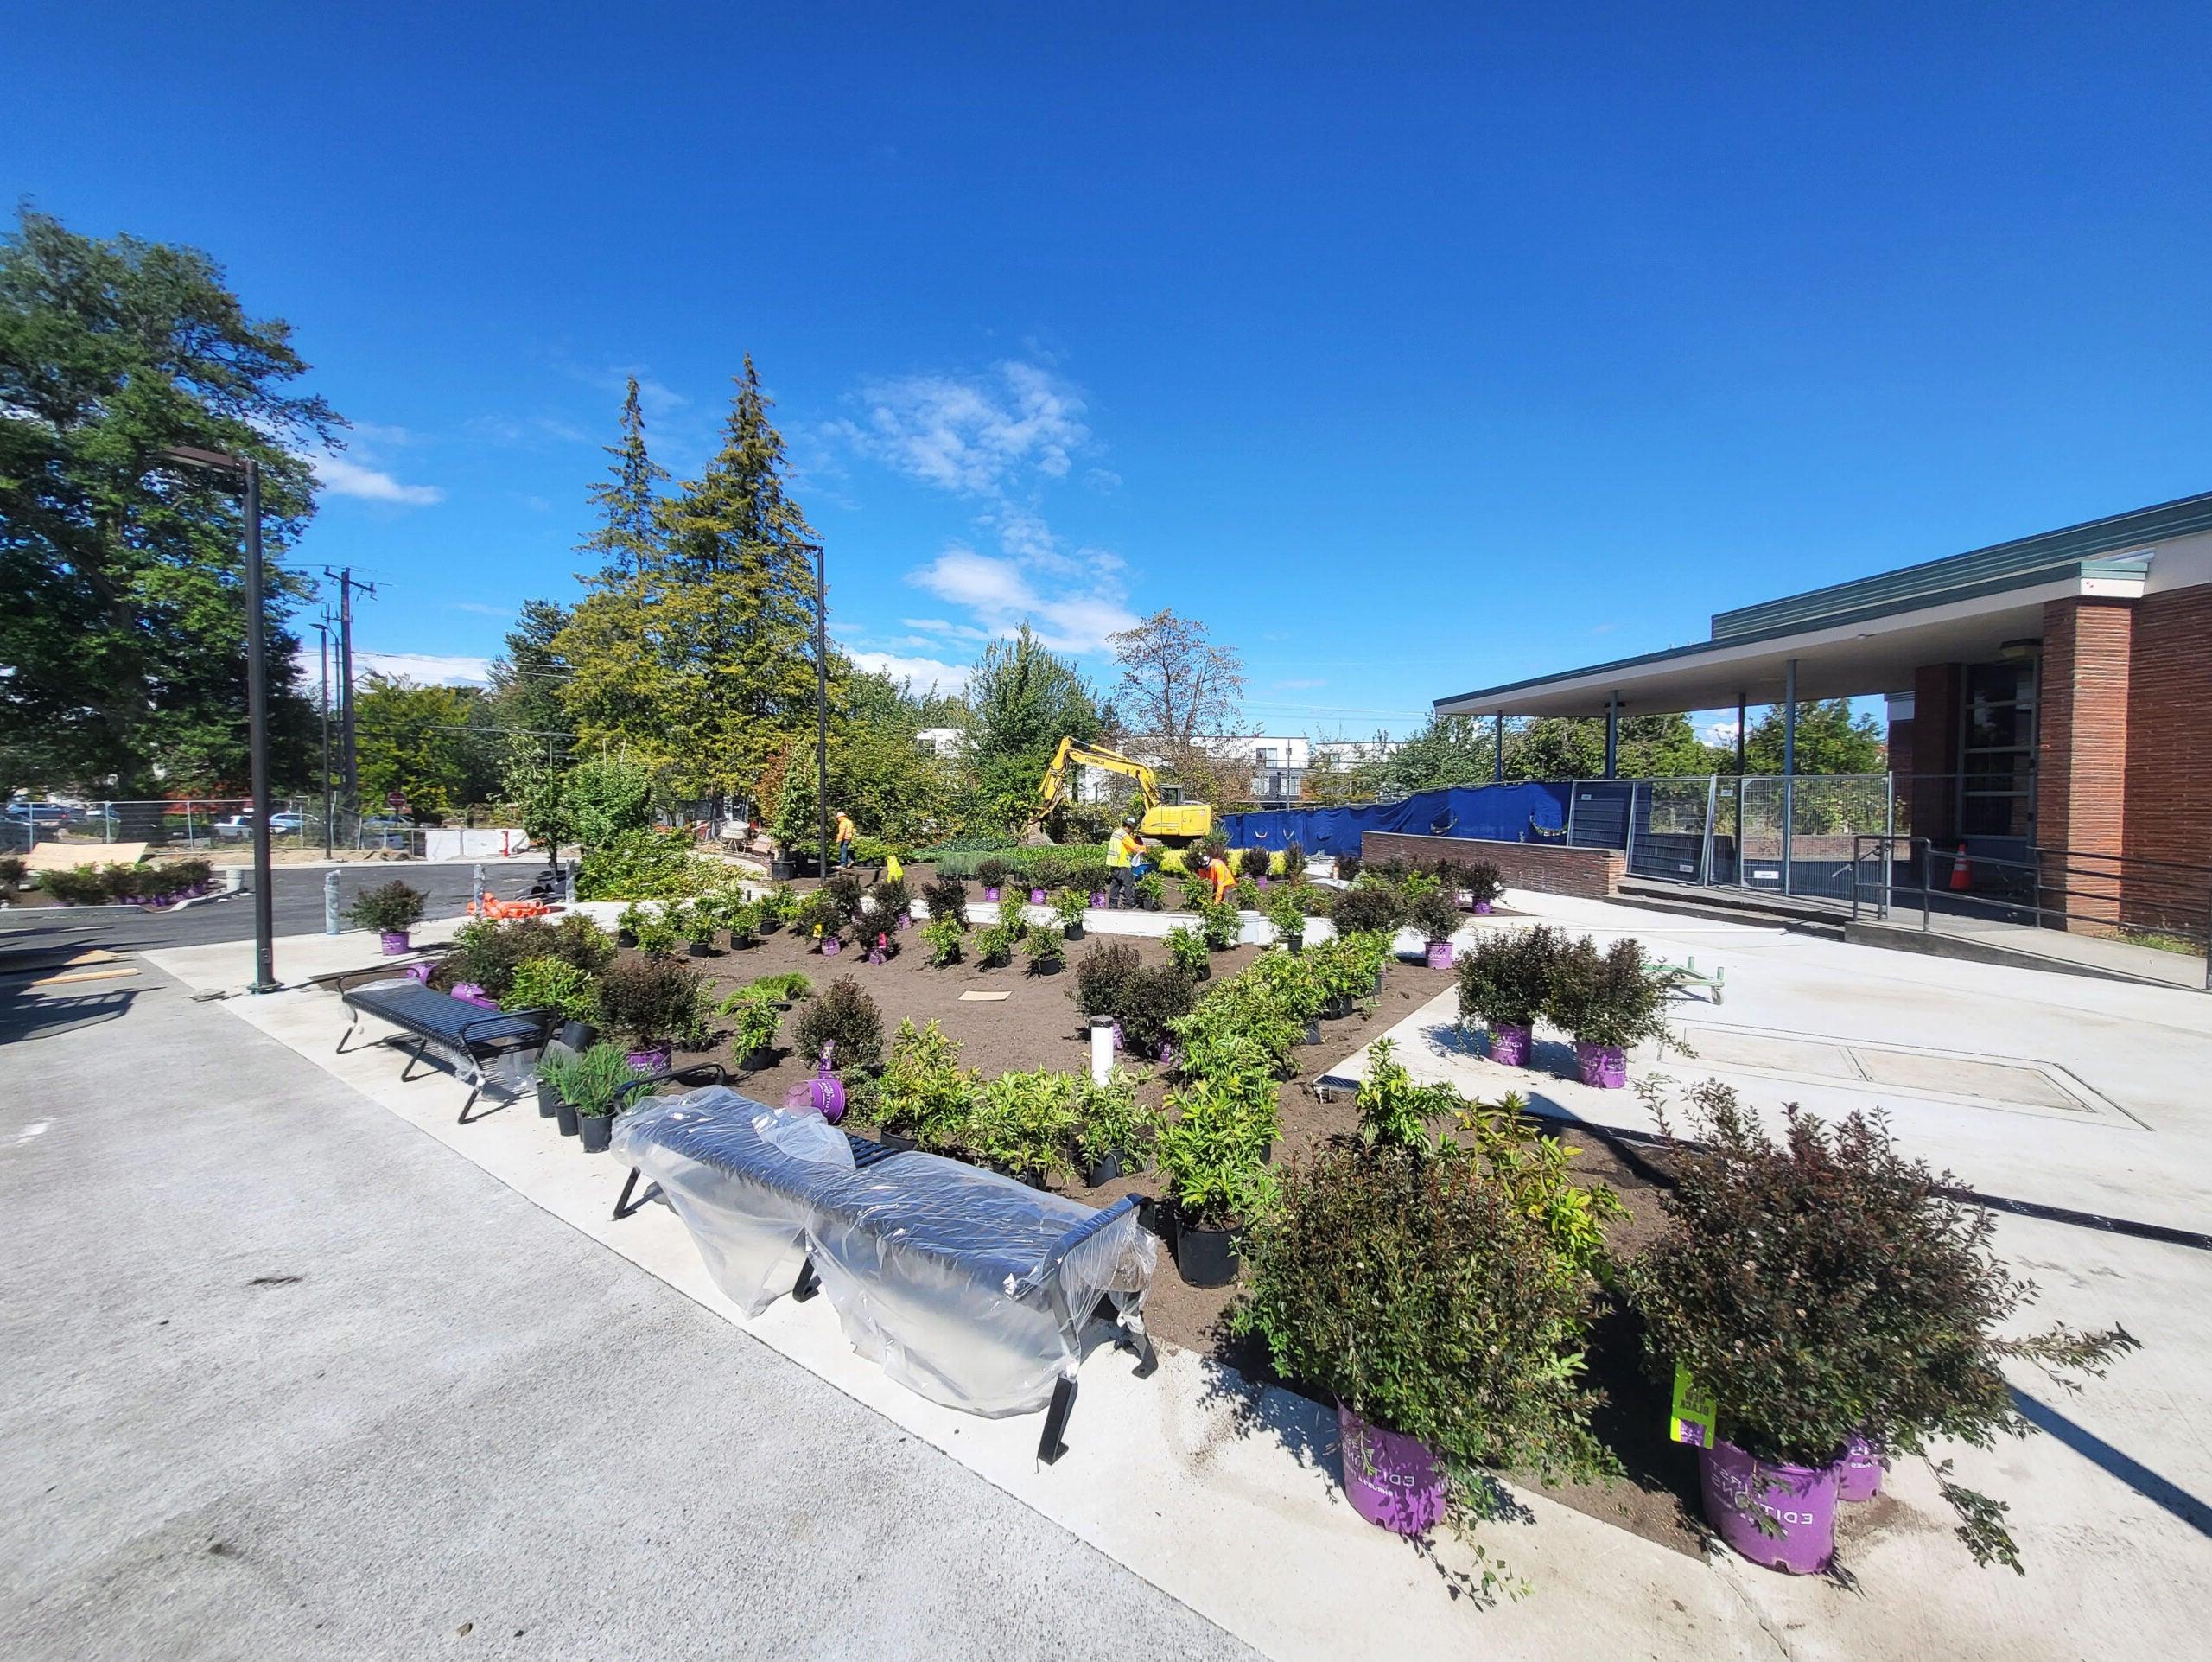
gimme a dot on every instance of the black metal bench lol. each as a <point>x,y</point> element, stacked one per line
<point>469,1034</point>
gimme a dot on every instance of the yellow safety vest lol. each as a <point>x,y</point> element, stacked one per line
<point>845,831</point>
<point>1121,848</point>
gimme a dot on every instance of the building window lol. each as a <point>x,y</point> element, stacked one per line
<point>1997,750</point>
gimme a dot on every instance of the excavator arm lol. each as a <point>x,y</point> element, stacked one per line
<point>1174,821</point>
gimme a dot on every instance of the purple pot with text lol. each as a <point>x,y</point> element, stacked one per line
<point>990,893</point>
<point>469,993</point>
<point>1510,1045</point>
<point>1099,899</point>
<point>1604,1066</point>
<point>1799,1499</point>
<point>1440,955</point>
<point>898,922</point>
<point>1036,897</point>
<point>829,946</point>
<point>1390,1478</point>
<point>394,942</point>
<point>650,1061</point>
<point>1858,1471</point>
<point>1481,908</point>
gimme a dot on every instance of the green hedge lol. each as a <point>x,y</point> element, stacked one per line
<point>1053,861</point>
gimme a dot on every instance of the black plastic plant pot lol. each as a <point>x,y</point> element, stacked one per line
<point>578,1036</point>
<point>626,938</point>
<point>548,1101</point>
<point>1152,1216</point>
<point>1312,1032</point>
<point>1338,1007</point>
<point>897,1141</point>
<point>753,1061</point>
<point>1048,966</point>
<point>1074,932</point>
<point>1103,1171</point>
<point>596,1130</point>
<point>566,1114</point>
<point>702,949</point>
<point>1207,1258</point>
<point>1295,941</point>
<point>783,869</point>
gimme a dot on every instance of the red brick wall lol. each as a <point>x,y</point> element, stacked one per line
<point>2082,753</point>
<point>2169,766</point>
<point>1551,867</point>
<point>1933,762</point>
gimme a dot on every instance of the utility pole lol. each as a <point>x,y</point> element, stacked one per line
<point>349,760</point>
<point>322,629</point>
<point>821,705</point>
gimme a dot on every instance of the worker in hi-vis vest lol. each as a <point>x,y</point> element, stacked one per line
<point>1122,849</point>
<point>846,832</point>
<point>1216,871</point>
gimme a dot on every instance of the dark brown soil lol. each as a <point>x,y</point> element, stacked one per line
<point>1035,1024</point>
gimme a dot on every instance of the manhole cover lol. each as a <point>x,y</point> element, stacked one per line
<point>1962,1076</point>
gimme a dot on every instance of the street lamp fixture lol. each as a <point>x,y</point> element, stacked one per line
<point>248,472</point>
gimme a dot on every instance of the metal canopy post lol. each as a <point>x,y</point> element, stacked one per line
<point>1789,764</point>
<point>1613,735</point>
<point>1497,749</point>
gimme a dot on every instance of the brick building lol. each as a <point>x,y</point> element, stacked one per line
<point>2049,701</point>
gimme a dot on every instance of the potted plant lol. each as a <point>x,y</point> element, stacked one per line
<point>12,869</point>
<point>754,1015</point>
<point>588,1085</point>
<point>1068,907</point>
<point>944,940</point>
<point>1435,914</point>
<point>991,873</point>
<point>1023,1126</point>
<point>1397,1277</point>
<point>698,922</point>
<point>994,945</point>
<point>1286,911</point>
<point>947,901</point>
<point>1151,891</point>
<point>1369,908</point>
<point>847,1019</point>
<point>1824,1293</point>
<point>1221,923</point>
<point>652,1003</point>
<point>392,909</point>
<point>1505,982</point>
<point>742,918</point>
<point>1252,867</point>
<point>1110,1128</point>
<point>925,1096</point>
<point>550,983</point>
<point>1048,952</point>
<point>1608,1000</point>
<point>1213,1151</point>
<point>892,899</point>
<point>1186,950</point>
<point>1480,886</point>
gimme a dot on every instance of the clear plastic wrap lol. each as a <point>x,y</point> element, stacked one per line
<point>970,1289</point>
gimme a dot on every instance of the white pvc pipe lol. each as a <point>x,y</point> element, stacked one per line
<point>1101,1050</point>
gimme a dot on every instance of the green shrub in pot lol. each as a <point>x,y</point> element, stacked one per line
<point>589,1083</point>
<point>947,899</point>
<point>1369,907</point>
<point>1212,1148</point>
<point>549,983</point>
<point>1506,977</point>
<point>944,939</point>
<point>1110,1122</point>
<point>652,1001</point>
<point>1069,906</point>
<point>1284,907</point>
<point>1432,912</point>
<point>1024,1124</point>
<point>1186,950</point>
<point>1608,997</point>
<point>388,908</point>
<point>1221,922</point>
<point>925,1093</point>
<point>1822,1288</point>
<point>1047,949</point>
<point>754,1015</point>
<point>847,1017</point>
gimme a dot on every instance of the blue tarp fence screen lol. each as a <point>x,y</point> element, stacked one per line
<point>1531,811</point>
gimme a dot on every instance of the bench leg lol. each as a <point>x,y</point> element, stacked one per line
<point>348,1034</point>
<point>808,1284</point>
<point>1147,1358</point>
<point>474,1091</point>
<point>408,1071</point>
<point>1049,1446</point>
<point>623,1208</point>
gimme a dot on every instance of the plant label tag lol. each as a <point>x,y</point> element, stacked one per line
<point>1694,1410</point>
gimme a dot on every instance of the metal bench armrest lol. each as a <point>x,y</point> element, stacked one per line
<point>697,1073</point>
<point>544,1018</point>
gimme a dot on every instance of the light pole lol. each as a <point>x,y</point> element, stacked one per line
<point>257,702</point>
<point>821,707</point>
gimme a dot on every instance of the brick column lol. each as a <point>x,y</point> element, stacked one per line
<point>2081,753</point>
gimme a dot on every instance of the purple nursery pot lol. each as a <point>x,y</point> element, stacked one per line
<point>469,993</point>
<point>1509,1044</point>
<point>1859,1472</point>
<point>829,946</point>
<point>1099,899</point>
<point>650,1061</point>
<point>826,1093</point>
<point>990,893</point>
<point>1390,1478</point>
<point>418,972</point>
<point>394,942</point>
<point>1481,908</point>
<point>898,922</point>
<point>1604,1066</point>
<point>1440,955</point>
<point>1800,1499</point>
<point>1037,897</point>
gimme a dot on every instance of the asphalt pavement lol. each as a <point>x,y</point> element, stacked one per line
<point>285,1378</point>
<point>298,908</point>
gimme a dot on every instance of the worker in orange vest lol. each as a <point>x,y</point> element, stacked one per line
<point>1216,871</point>
<point>845,833</point>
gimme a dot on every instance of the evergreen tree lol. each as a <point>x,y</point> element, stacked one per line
<point>1023,699</point>
<point>124,629</point>
<point>627,541</point>
<point>700,659</point>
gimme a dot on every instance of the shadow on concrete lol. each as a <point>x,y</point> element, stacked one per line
<point>2158,1490</point>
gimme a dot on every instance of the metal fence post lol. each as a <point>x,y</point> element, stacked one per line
<point>330,901</point>
<point>1889,837</point>
<point>1712,807</point>
<point>1570,793</point>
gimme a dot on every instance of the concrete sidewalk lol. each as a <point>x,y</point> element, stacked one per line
<point>286,1379</point>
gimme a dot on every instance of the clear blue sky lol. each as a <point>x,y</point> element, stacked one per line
<point>1413,348</point>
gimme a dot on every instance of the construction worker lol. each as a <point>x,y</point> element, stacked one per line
<point>846,832</point>
<point>1215,869</point>
<point>1123,852</point>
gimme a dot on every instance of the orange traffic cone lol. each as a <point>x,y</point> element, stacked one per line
<point>1961,872</point>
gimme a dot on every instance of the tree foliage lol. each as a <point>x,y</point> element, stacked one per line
<point>1828,740</point>
<point>426,743</point>
<point>1181,689</point>
<point>124,628</point>
<point>1023,699</point>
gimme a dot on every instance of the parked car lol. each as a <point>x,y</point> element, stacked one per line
<point>238,826</point>
<point>41,813</point>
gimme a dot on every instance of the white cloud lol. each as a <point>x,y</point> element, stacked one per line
<point>437,669</point>
<point>1297,686</point>
<point>481,610</point>
<point>975,435</point>
<point>1718,732</point>
<point>924,672</point>
<point>1001,596</point>
<point>509,429</point>
<point>1104,480</point>
<point>343,478</point>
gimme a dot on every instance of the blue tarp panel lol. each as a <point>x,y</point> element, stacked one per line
<point>1529,812</point>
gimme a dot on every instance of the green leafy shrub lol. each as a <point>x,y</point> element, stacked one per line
<point>847,1017</point>
<point>790,985</point>
<point>1220,922</point>
<point>387,908</point>
<point>990,871</point>
<point>1186,950</point>
<point>653,1000</point>
<point>1535,1168</point>
<point>994,945</point>
<point>607,799</point>
<point>1058,863</point>
<point>1212,1147</point>
<point>547,983</point>
<point>643,865</point>
<point>1608,997</point>
<point>925,1093</point>
<point>576,939</point>
<point>754,1018</point>
<point>1369,908</point>
<point>1284,908</point>
<point>1402,1281</point>
<point>590,1082</point>
<point>946,939</point>
<point>650,926</point>
<point>1025,1123</point>
<point>12,869</point>
<point>1822,1288</point>
<point>1348,866</point>
<point>1109,1120</point>
<point>1505,980</point>
<point>1069,906</point>
<point>80,886</point>
<point>1151,891</point>
<point>1047,949</point>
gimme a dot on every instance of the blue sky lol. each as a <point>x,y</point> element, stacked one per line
<point>1412,349</point>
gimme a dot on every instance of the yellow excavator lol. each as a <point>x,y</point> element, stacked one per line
<point>1166,816</point>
